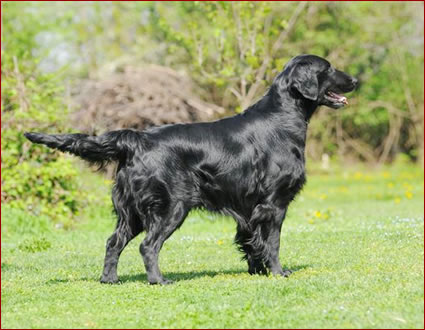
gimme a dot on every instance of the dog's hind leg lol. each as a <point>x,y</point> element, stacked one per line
<point>126,230</point>
<point>160,229</point>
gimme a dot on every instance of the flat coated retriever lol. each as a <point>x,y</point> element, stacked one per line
<point>249,166</point>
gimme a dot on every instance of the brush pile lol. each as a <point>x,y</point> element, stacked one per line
<point>139,98</point>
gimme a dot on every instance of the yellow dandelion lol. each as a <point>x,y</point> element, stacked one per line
<point>397,200</point>
<point>317,214</point>
<point>390,185</point>
<point>323,196</point>
<point>358,175</point>
<point>220,242</point>
<point>386,174</point>
<point>311,221</point>
<point>409,195</point>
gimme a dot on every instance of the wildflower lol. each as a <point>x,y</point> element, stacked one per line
<point>390,185</point>
<point>220,242</point>
<point>386,174</point>
<point>317,214</point>
<point>409,195</point>
<point>397,200</point>
<point>358,175</point>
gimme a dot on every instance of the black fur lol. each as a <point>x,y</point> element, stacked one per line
<point>249,166</point>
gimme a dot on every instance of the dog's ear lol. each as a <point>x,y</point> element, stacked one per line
<point>304,80</point>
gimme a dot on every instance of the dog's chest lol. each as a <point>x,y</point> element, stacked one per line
<point>285,177</point>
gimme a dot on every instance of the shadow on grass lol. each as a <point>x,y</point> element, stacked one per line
<point>177,277</point>
<point>174,276</point>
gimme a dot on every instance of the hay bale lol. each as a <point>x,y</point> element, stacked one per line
<point>139,97</point>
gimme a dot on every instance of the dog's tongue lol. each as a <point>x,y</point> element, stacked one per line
<point>338,97</point>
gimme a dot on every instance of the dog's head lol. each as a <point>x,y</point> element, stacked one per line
<point>313,78</point>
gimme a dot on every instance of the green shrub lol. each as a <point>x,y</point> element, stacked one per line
<point>34,179</point>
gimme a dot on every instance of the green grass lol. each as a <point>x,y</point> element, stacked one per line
<point>354,238</point>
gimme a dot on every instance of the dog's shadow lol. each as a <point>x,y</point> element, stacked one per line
<point>174,276</point>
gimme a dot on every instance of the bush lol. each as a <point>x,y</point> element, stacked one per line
<point>34,179</point>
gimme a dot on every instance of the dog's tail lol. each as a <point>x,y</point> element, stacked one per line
<point>111,146</point>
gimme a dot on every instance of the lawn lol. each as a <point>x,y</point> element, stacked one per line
<point>354,238</point>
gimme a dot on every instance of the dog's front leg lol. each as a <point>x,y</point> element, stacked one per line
<point>273,246</point>
<point>256,266</point>
<point>244,238</point>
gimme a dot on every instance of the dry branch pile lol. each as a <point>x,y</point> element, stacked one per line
<point>139,98</point>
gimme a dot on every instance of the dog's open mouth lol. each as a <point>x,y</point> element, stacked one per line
<point>336,98</point>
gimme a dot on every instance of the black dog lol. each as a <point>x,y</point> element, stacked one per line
<point>250,166</point>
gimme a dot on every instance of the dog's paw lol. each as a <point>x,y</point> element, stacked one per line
<point>282,272</point>
<point>109,280</point>
<point>162,281</point>
<point>258,269</point>
<point>286,272</point>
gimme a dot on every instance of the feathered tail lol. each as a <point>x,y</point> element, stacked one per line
<point>111,146</point>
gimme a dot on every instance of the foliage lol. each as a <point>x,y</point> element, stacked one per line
<point>362,267</point>
<point>34,179</point>
<point>233,47</point>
